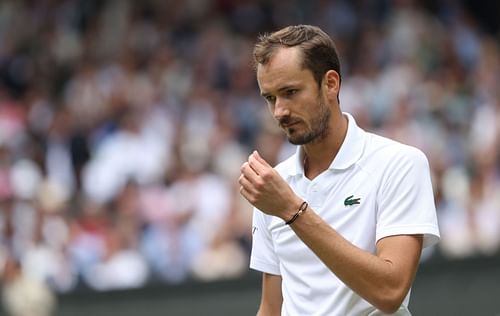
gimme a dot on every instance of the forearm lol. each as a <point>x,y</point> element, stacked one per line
<point>376,278</point>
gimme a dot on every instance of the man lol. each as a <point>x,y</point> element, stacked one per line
<point>339,226</point>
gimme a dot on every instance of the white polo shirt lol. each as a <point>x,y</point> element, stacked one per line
<point>374,188</point>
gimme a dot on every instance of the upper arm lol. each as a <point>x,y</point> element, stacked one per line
<point>272,298</point>
<point>405,200</point>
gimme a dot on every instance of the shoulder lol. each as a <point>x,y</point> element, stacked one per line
<point>388,158</point>
<point>383,150</point>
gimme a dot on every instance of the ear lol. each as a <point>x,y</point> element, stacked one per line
<point>332,83</point>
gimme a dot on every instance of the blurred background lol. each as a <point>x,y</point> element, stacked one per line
<point>123,125</point>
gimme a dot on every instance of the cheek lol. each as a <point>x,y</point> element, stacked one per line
<point>311,107</point>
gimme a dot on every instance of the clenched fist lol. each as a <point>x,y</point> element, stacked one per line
<point>265,189</point>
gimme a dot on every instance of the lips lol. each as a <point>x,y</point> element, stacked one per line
<point>286,123</point>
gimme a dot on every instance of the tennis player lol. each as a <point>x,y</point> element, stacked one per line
<point>338,228</point>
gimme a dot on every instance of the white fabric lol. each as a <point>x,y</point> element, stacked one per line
<point>393,184</point>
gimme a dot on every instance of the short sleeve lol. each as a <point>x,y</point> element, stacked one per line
<point>263,257</point>
<point>405,198</point>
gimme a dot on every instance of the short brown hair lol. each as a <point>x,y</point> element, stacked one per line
<point>318,49</point>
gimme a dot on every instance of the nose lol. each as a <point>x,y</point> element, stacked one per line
<point>280,108</point>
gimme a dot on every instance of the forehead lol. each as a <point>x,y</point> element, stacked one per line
<point>283,68</point>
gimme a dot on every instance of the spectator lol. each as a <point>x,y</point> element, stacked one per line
<point>95,94</point>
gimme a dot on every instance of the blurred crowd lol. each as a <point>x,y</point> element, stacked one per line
<point>123,125</point>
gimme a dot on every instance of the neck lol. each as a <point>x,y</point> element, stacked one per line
<point>318,156</point>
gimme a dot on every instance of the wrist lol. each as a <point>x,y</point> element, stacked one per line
<point>298,212</point>
<point>290,209</point>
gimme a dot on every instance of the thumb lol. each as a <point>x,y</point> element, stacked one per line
<point>260,159</point>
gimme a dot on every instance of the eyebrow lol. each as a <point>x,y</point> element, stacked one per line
<point>288,87</point>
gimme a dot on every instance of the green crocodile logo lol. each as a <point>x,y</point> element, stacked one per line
<point>350,201</point>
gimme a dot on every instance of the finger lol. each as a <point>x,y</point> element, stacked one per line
<point>243,192</point>
<point>249,172</point>
<point>247,195</point>
<point>246,184</point>
<point>256,164</point>
<point>260,159</point>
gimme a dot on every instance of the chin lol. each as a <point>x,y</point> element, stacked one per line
<point>296,140</point>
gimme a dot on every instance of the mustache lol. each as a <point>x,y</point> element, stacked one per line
<point>288,120</point>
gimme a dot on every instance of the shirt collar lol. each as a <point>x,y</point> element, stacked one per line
<point>349,153</point>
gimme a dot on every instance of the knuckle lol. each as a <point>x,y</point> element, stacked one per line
<point>259,184</point>
<point>266,176</point>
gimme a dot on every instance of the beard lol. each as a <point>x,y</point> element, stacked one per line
<point>319,126</point>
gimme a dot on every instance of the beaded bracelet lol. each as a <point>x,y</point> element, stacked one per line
<point>302,209</point>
